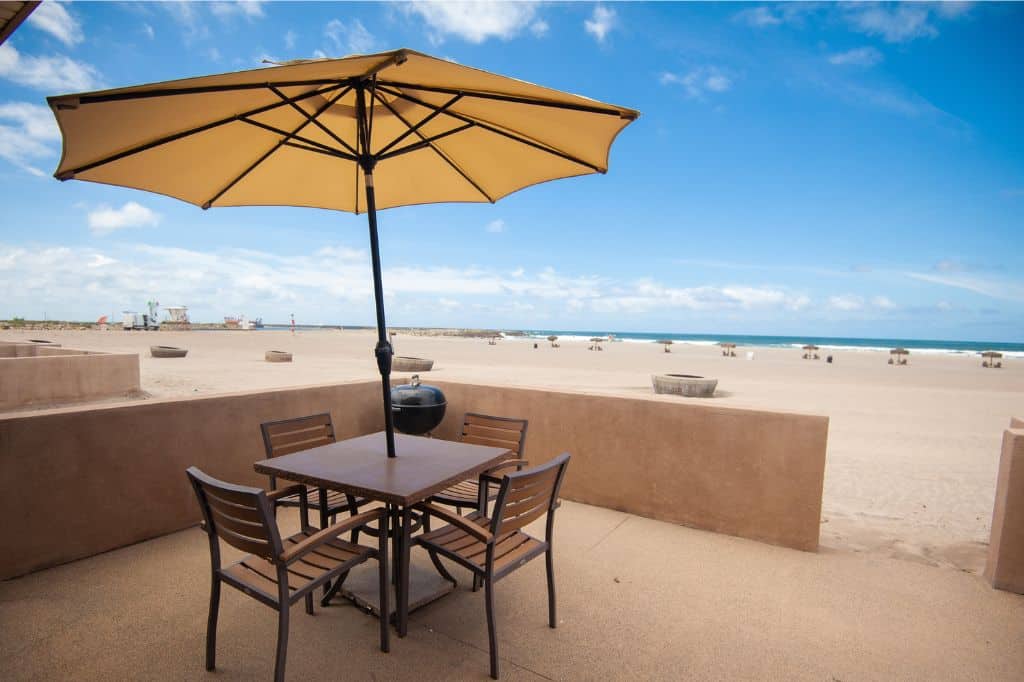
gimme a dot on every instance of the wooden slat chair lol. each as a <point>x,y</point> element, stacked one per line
<point>491,548</point>
<point>293,435</point>
<point>278,572</point>
<point>483,429</point>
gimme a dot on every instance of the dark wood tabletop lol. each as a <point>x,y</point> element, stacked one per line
<point>360,466</point>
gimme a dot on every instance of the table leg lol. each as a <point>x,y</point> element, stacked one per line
<point>402,617</point>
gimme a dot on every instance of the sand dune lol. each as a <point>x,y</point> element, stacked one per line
<point>913,451</point>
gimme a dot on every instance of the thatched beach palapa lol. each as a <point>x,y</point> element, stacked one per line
<point>992,358</point>
<point>898,356</point>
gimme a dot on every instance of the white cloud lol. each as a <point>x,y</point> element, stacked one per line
<point>496,226</point>
<point>352,38</point>
<point>860,56</point>
<point>601,22</point>
<point>539,28</point>
<point>55,75</point>
<point>105,219</point>
<point>895,24</point>
<point>699,81</point>
<point>477,21</point>
<point>148,30</point>
<point>289,39</point>
<point>26,134</point>
<point>758,17</point>
<point>985,286</point>
<point>846,303</point>
<point>250,9</point>
<point>883,303</point>
<point>53,18</point>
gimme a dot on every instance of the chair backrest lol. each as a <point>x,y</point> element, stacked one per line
<point>528,494</point>
<point>502,432</point>
<point>292,435</point>
<point>239,515</point>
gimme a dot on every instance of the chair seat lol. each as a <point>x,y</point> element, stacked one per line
<point>510,550</point>
<point>336,501</point>
<point>464,494</point>
<point>258,576</point>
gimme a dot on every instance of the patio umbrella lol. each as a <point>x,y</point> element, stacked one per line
<point>353,134</point>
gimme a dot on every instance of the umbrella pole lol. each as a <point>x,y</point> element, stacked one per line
<point>383,351</point>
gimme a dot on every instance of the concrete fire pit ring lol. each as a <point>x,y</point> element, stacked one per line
<point>167,352</point>
<point>402,363</point>
<point>688,385</point>
<point>277,356</point>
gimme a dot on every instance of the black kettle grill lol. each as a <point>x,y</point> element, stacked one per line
<point>417,408</point>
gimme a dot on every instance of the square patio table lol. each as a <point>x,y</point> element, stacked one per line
<point>360,466</point>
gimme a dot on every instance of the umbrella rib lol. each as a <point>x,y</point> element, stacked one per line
<point>71,101</point>
<point>315,121</point>
<point>588,108</point>
<point>266,155</point>
<point>504,133</point>
<point>300,138</point>
<point>67,175</point>
<point>437,151</point>
<point>424,142</point>
<point>426,119</point>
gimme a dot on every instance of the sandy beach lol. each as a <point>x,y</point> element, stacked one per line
<point>912,451</point>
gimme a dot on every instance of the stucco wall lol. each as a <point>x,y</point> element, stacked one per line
<point>1005,566</point>
<point>83,481</point>
<point>749,473</point>
<point>93,479</point>
<point>38,375</point>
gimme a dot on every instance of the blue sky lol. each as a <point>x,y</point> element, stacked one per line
<point>797,169</point>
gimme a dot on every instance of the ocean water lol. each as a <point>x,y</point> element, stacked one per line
<point>825,342</point>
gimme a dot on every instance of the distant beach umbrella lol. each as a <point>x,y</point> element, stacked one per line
<point>552,339</point>
<point>354,134</point>
<point>666,343</point>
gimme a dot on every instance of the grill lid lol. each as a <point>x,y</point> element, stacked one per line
<point>415,394</point>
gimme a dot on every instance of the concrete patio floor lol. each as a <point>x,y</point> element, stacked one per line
<point>638,599</point>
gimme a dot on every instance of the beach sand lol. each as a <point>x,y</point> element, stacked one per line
<point>912,451</point>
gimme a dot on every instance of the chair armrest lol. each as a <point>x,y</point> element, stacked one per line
<point>490,476</point>
<point>274,495</point>
<point>330,533</point>
<point>479,532</point>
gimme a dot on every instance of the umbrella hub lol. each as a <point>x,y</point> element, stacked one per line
<point>384,351</point>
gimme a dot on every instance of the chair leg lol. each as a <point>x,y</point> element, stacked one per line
<point>335,589</point>
<point>309,603</point>
<point>211,625</point>
<point>476,582</point>
<point>384,587</point>
<point>491,636</point>
<point>282,642</point>
<point>552,613</point>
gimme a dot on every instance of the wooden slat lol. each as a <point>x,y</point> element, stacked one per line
<point>516,554</point>
<point>300,435</point>
<point>298,447</point>
<point>244,542</point>
<point>243,499</point>
<point>484,420</point>
<point>527,491</point>
<point>257,531</point>
<point>236,511</point>
<point>300,422</point>
<point>524,519</point>
<point>491,431</point>
<point>253,580</point>
<point>298,577</point>
<point>491,442</point>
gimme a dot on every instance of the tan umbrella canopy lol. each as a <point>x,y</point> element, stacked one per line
<point>354,134</point>
<point>11,16</point>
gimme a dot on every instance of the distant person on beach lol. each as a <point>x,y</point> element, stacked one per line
<point>293,323</point>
